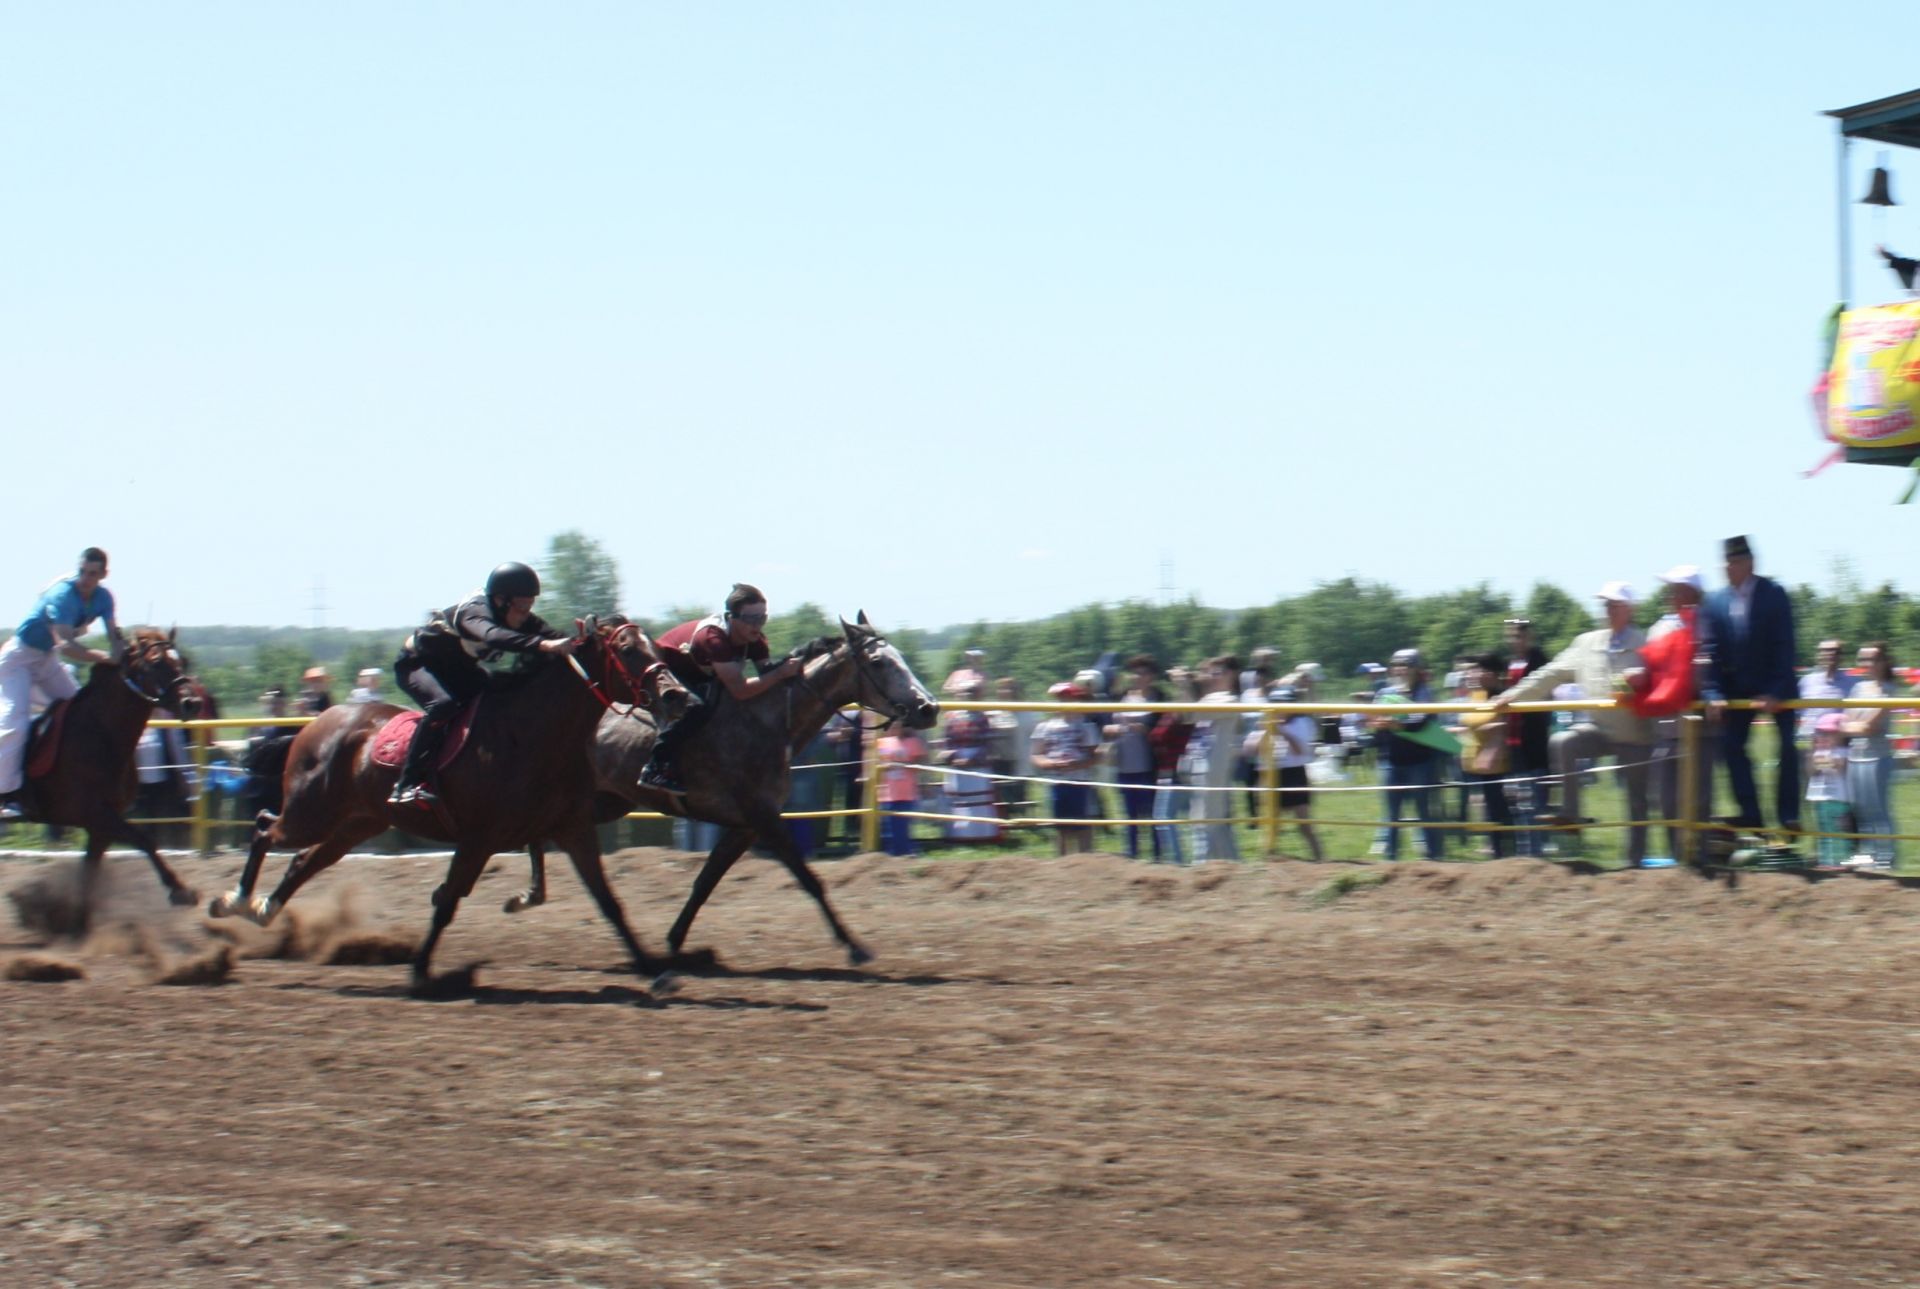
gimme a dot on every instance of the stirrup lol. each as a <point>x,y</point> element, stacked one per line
<point>660,781</point>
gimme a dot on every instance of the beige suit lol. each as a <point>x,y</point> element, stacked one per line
<point>1596,661</point>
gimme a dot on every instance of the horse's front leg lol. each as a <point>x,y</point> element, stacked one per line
<point>463,870</point>
<point>235,901</point>
<point>535,895</point>
<point>108,825</point>
<point>774,836</point>
<point>583,848</point>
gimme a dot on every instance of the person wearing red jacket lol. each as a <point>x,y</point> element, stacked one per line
<point>1663,689</point>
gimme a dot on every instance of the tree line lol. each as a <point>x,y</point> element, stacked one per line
<point>1339,624</point>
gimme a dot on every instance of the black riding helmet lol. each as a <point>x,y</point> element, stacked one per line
<point>511,581</point>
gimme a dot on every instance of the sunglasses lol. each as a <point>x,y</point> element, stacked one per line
<point>751,619</point>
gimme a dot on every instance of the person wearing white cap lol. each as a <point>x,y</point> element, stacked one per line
<point>367,686</point>
<point>1598,661</point>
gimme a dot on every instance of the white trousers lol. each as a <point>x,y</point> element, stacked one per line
<point>24,670</point>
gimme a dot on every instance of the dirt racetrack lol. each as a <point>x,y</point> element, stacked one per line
<point>1081,1072</point>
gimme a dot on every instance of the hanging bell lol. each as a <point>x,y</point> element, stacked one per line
<point>1880,191</point>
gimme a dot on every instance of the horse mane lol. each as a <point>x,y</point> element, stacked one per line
<point>813,648</point>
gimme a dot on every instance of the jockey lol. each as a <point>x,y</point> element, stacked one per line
<point>31,660</point>
<point>708,654</point>
<point>440,665</point>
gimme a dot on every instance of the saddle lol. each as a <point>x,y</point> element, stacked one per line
<point>43,739</point>
<point>391,741</point>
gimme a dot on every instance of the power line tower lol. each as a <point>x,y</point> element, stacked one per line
<point>319,603</point>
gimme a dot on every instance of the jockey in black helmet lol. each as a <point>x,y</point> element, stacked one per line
<point>440,665</point>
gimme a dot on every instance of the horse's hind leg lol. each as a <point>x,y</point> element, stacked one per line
<point>535,895</point>
<point>263,839</point>
<point>776,839</point>
<point>584,851</point>
<point>733,844</point>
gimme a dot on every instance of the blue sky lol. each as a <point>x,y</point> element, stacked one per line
<point>941,312</point>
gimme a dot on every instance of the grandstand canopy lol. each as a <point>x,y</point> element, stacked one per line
<point>1893,120</point>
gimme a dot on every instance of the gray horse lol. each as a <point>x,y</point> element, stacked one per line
<point>736,766</point>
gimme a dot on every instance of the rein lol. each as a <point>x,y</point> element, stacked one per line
<point>615,663</point>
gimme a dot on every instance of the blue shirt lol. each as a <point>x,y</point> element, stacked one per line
<point>62,604</point>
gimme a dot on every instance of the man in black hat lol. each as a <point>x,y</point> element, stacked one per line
<point>1749,643</point>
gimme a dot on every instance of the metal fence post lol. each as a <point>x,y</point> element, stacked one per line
<point>870,817</point>
<point>1690,803</point>
<point>200,740</point>
<point>1270,780</point>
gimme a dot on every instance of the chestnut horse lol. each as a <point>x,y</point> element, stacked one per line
<point>736,766</point>
<point>91,782</point>
<point>622,746</point>
<point>525,775</point>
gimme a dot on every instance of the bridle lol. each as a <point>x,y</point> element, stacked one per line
<point>137,661</point>
<point>894,711</point>
<point>609,640</point>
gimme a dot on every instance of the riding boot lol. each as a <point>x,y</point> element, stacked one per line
<point>421,754</point>
<point>659,769</point>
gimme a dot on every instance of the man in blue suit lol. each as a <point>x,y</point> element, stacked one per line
<point>1750,654</point>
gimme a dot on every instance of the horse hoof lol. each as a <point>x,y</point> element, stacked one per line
<point>859,955</point>
<point>261,909</point>
<point>459,983</point>
<point>182,896</point>
<point>664,985</point>
<point>522,902</point>
<point>224,906</point>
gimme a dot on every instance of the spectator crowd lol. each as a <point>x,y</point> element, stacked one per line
<point>1492,777</point>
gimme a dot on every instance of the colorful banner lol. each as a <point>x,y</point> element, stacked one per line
<point>1873,387</point>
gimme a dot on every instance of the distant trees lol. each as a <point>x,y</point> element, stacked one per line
<point>577,577</point>
<point>1344,623</point>
<point>1339,624</point>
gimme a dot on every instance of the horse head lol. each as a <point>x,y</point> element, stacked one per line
<point>153,667</point>
<point>884,683</point>
<point>633,672</point>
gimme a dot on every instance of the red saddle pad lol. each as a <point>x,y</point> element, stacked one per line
<point>391,741</point>
<point>43,744</point>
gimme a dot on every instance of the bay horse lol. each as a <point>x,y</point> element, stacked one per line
<point>90,783</point>
<point>622,746</point>
<point>736,766</point>
<point>524,776</point>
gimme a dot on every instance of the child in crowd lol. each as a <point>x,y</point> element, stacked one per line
<point>899,753</point>
<point>1065,748</point>
<point>1827,788</point>
<point>1486,758</point>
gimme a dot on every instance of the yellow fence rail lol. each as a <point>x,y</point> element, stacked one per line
<point>202,739</point>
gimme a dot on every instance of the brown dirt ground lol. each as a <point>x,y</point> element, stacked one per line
<point>1080,1072</point>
